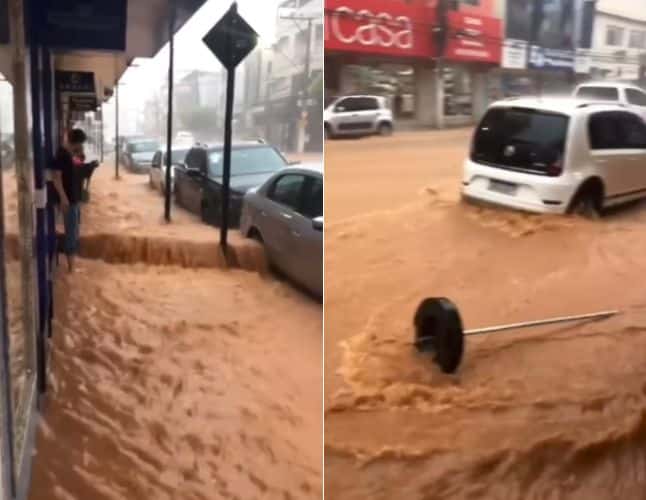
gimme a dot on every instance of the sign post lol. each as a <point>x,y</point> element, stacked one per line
<point>230,40</point>
<point>4,22</point>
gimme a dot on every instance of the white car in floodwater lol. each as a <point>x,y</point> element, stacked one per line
<point>285,214</point>
<point>358,115</point>
<point>552,155</point>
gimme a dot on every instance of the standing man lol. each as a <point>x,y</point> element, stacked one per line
<point>68,183</point>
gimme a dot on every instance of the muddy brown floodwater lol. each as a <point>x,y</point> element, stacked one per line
<point>181,381</point>
<point>552,413</point>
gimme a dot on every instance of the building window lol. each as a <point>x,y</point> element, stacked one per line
<point>614,36</point>
<point>637,39</point>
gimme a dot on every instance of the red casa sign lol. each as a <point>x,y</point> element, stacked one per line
<point>379,27</point>
<point>474,38</point>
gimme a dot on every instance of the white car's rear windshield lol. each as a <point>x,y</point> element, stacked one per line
<point>598,93</point>
<point>520,138</point>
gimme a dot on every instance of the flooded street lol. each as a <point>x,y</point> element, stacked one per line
<point>557,412</point>
<point>172,377</point>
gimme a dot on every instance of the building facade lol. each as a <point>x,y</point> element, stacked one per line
<point>436,53</point>
<point>618,41</point>
<point>442,62</point>
<point>285,108</point>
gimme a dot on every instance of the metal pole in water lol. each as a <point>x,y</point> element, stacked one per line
<point>529,324</point>
<point>541,322</point>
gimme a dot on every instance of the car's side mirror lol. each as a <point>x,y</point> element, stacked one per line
<point>317,223</point>
<point>339,109</point>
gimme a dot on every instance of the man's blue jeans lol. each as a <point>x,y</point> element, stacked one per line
<point>72,222</point>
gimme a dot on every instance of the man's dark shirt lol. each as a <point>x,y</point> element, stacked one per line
<point>72,175</point>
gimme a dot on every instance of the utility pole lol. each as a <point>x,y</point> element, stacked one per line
<point>169,118</point>
<point>305,83</point>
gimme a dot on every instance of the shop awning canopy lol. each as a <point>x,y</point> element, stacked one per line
<point>146,32</point>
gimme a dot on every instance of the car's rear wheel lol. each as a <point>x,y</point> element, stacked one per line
<point>385,129</point>
<point>587,202</point>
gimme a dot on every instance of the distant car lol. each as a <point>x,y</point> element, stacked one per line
<point>184,138</point>
<point>285,215</point>
<point>157,171</point>
<point>627,94</point>
<point>358,115</point>
<point>138,154</point>
<point>7,155</point>
<point>557,156</point>
<point>198,182</point>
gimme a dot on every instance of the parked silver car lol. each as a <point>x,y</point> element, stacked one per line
<point>157,172</point>
<point>138,154</point>
<point>358,115</point>
<point>285,215</point>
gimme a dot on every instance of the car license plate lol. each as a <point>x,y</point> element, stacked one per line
<point>503,187</point>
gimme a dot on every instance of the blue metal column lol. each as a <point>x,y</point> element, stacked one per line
<point>50,214</point>
<point>40,194</point>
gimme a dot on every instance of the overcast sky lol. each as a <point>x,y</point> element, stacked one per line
<point>190,51</point>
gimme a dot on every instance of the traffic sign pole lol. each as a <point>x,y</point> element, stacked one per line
<point>226,174</point>
<point>231,40</point>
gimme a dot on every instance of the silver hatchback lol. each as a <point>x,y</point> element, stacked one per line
<point>358,115</point>
<point>285,215</point>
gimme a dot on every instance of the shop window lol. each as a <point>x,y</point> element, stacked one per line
<point>457,92</point>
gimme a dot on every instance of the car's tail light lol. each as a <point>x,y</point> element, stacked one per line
<point>555,169</point>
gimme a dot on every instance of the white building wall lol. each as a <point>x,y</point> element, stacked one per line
<point>620,61</point>
<point>286,63</point>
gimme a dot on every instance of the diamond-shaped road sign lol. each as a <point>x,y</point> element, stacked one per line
<point>231,39</point>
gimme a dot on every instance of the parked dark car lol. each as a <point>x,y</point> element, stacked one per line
<point>198,182</point>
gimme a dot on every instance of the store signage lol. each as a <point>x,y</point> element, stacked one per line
<point>380,27</point>
<point>542,58</point>
<point>75,81</point>
<point>582,62</point>
<point>4,22</point>
<point>473,38</point>
<point>601,67</point>
<point>83,103</point>
<point>83,24</point>
<point>514,54</point>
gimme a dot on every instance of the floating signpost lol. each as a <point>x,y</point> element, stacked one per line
<point>231,40</point>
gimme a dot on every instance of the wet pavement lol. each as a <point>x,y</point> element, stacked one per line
<point>556,412</point>
<point>172,376</point>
